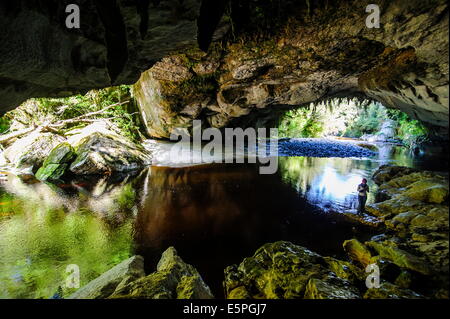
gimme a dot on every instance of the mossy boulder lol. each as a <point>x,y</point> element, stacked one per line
<point>51,172</point>
<point>57,162</point>
<point>400,257</point>
<point>282,270</point>
<point>100,153</point>
<point>386,173</point>
<point>172,279</point>
<point>101,287</point>
<point>345,270</point>
<point>428,190</point>
<point>358,252</point>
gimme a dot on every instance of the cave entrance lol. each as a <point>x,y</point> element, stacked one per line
<point>351,118</point>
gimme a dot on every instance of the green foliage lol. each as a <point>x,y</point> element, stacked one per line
<point>367,122</point>
<point>4,124</point>
<point>411,132</point>
<point>349,118</point>
<point>41,110</point>
<point>301,123</point>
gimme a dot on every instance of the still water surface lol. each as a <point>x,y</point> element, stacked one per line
<point>214,215</point>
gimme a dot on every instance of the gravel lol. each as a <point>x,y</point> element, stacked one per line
<point>314,147</point>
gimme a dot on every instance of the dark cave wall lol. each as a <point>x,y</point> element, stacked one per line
<point>117,40</point>
<point>307,56</point>
<point>274,55</point>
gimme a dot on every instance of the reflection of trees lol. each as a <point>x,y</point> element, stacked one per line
<point>306,175</point>
<point>52,227</point>
<point>107,196</point>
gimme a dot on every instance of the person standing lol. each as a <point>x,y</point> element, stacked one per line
<point>363,189</point>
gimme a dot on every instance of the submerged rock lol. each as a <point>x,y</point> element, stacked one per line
<point>103,286</point>
<point>172,279</point>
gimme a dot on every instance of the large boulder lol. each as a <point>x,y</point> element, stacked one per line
<point>385,173</point>
<point>401,257</point>
<point>103,286</point>
<point>358,252</point>
<point>97,148</point>
<point>428,190</point>
<point>105,153</point>
<point>29,152</point>
<point>172,279</point>
<point>282,270</point>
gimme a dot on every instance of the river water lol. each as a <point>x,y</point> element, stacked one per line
<point>213,214</point>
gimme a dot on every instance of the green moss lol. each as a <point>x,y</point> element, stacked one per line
<point>51,172</point>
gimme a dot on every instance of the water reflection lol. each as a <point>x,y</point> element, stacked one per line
<point>44,228</point>
<point>215,215</point>
<point>330,183</point>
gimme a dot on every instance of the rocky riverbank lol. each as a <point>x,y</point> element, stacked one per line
<point>98,148</point>
<point>173,279</point>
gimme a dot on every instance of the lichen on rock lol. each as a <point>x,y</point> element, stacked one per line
<point>172,279</point>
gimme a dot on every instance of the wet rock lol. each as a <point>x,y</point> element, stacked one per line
<point>105,153</point>
<point>279,270</point>
<point>57,162</point>
<point>386,173</point>
<point>413,213</point>
<point>405,279</point>
<point>358,252</point>
<point>331,287</point>
<point>400,257</point>
<point>394,206</point>
<point>391,291</point>
<point>172,279</point>
<point>282,270</point>
<point>103,286</point>
<point>345,270</point>
<point>428,190</point>
<point>363,219</point>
